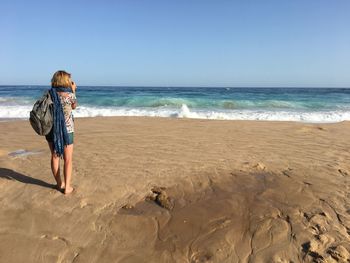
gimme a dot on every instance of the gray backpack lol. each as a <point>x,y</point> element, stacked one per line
<point>41,117</point>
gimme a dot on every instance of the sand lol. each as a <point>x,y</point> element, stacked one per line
<point>179,190</point>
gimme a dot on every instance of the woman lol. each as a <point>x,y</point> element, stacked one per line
<point>61,137</point>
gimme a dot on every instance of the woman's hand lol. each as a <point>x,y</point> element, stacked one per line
<point>74,86</point>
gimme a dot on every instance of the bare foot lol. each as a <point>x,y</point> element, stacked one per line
<point>69,190</point>
<point>60,187</point>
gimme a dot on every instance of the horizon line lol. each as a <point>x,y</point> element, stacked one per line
<point>167,86</point>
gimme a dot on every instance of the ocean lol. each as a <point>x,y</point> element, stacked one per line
<point>316,105</point>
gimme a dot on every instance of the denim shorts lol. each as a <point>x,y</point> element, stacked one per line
<point>49,137</point>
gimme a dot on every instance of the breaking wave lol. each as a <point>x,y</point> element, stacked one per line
<point>22,112</point>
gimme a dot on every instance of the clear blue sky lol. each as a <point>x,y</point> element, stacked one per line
<point>177,43</point>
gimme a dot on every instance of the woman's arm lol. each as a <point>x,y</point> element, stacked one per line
<point>75,103</point>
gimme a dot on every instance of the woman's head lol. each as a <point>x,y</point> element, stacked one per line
<point>61,78</point>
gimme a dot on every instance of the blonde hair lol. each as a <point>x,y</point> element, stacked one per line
<point>61,78</point>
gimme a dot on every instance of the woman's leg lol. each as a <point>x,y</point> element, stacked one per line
<point>68,158</point>
<point>55,167</point>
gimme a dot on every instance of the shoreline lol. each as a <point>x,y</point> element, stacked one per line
<point>179,190</point>
<point>181,118</point>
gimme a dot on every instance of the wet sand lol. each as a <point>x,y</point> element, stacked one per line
<point>179,190</point>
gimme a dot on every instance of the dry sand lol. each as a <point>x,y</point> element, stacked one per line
<point>233,191</point>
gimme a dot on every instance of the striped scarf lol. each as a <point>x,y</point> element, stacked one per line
<point>60,135</point>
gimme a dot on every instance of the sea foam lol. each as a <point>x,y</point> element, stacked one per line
<point>22,112</point>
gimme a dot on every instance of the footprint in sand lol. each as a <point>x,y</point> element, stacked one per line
<point>318,222</point>
<point>319,252</point>
<point>342,172</point>
<point>260,166</point>
<point>83,203</point>
<point>339,253</point>
<point>287,172</point>
<point>161,198</point>
<point>321,247</point>
<point>201,257</point>
<point>314,249</point>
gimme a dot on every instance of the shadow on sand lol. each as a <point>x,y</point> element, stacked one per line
<point>12,175</point>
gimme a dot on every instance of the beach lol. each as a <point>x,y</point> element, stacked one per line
<point>179,190</point>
